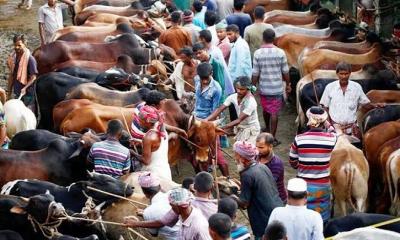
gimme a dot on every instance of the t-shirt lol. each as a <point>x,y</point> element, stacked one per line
<point>242,20</point>
<point>258,189</point>
<point>278,171</point>
<point>253,35</point>
<point>248,106</point>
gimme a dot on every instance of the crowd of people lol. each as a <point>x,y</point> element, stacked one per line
<point>227,61</point>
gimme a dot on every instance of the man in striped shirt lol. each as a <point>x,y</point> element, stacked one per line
<point>310,154</point>
<point>109,156</point>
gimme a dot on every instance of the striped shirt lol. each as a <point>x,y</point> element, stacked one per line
<point>240,232</point>
<point>110,157</point>
<point>270,63</point>
<point>310,154</point>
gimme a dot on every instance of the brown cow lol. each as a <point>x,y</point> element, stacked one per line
<point>267,4</point>
<point>81,4</point>
<point>349,174</point>
<point>126,11</point>
<point>61,110</point>
<point>293,20</point>
<point>109,18</point>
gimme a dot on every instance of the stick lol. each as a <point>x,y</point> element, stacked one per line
<point>137,233</point>
<point>117,196</point>
<point>215,167</point>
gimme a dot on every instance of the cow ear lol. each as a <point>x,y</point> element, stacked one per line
<point>17,210</point>
<point>220,131</point>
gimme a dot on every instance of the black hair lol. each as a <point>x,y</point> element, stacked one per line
<point>154,97</point>
<point>204,70</point>
<point>232,28</point>
<point>238,4</point>
<point>197,6</point>
<point>297,195</point>
<point>268,138</point>
<point>176,17</point>
<point>227,206</point>
<point>187,51</point>
<point>206,35</point>
<point>221,224</point>
<point>151,190</point>
<point>19,37</point>
<point>187,181</point>
<point>268,35</point>
<point>243,81</point>
<point>259,12</point>
<point>187,13</point>
<point>198,46</point>
<point>203,181</point>
<point>210,18</point>
<point>343,66</point>
<point>275,231</point>
<point>114,127</point>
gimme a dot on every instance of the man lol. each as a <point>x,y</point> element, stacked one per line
<point>270,69</point>
<point>194,225</point>
<point>109,156</point>
<point>239,59</point>
<point>247,126</point>
<point>199,12</point>
<point>219,226</point>
<point>223,41</point>
<point>175,37</point>
<point>211,5</point>
<point>273,162</point>
<point>23,70</point>
<point>253,34</point>
<point>300,222</point>
<point>310,154</point>
<point>148,126</point>
<point>210,18</point>
<point>238,17</point>
<point>229,207</point>
<point>159,205</point>
<point>362,32</point>
<point>258,188</point>
<point>341,100</point>
<point>225,7</point>
<point>275,231</point>
<point>187,19</point>
<point>184,73</point>
<point>50,19</point>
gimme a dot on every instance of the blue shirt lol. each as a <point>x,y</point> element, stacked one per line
<point>242,20</point>
<point>208,99</point>
<point>240,60</point>
<point>211,5</point>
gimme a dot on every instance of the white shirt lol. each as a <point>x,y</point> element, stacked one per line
<point>52,19</point>
<point>225,7</point>
<point>343,106</point>
<point>300,222</point>
<point>248,106</point>
<point>159,206</point>
<point>214,36</point>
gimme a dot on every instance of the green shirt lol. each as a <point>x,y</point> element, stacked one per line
<point>218,75</point>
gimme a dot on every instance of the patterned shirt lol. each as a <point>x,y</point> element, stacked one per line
<point>207,99</point>
<point>310,154</point>
<point>240,232</point>
<point>343,105</point>
<point>269,64</point>
<point>110,157</point>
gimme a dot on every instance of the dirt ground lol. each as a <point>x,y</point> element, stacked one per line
<point>13,20</point>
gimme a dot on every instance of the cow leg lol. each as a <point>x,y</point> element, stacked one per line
<point>342,206</point>
<point>360,203</point>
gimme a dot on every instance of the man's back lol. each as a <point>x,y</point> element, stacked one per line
<point>300,222</point>
<point>253,35</point>
<point>176,37</point>
<point>242,20</point>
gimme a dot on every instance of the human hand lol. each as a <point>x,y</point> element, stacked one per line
<point>131,221</point>
<point>288,88</point>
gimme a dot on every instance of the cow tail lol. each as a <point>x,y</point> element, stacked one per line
<point>38,115</point>
<point>350,171</point>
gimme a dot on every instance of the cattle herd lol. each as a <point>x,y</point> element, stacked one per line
<point>45,175</point>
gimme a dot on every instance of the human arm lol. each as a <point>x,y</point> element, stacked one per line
<point>133,222</point>
<point>285,72</point>
<point>216,113</point>
<point>241,117</point>
<point>256,70</point>
<point>294,155</point>
<point>216,98</point>
<point>68,2</point>
<point>32,73</point>
<point>41,34</point>
<point>176,130</point>
<point>10,84</point>
<point>246,186</point>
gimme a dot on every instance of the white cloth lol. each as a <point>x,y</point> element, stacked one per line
<point>214,36</point>
<point>52,19</point>
<point>300,222</point>
<point>225,7</point>
<point>367,233</point>
<point>343,106</point>
<point>159,206</point>
<point>159,160</point>
<point>177,78</point>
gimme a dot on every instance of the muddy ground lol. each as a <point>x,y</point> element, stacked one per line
<point>13,20</point>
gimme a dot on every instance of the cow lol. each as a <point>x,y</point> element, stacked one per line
<point>18,117</point>
<point>267,4</point>
<point>349,174</point>
<point>33,140</point>
<point>291,20</point>
<point>390,112</point>
<point>128,44</point>
<point>379,96</point>
<point>11,235</point>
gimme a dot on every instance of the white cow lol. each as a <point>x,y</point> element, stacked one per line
<point>18,117</point>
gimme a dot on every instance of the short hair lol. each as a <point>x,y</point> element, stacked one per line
<point>297,195</point>
<point>343,66</point>
<point>154,97</point>
<point>176,17</point>
<point>187,51</point>
<point>198,46</point>
<point>210,18</point>
<point>151,190</point>
<point>396,25</point>
<point>114,127</point>
<point>204,70</point>
<point>266,137</point>
<point>221,224</point>
<point>19,37</point>
<point>187,181</point>
<point>197,6</point>
<point>227,206</point>
<point>268,35</point>
<point>206,35</point>
<point>232,28</point>
<point>259,12</point>
<point>275,231</point>
<point>203,182</point>
<point>238,4</point>
<point>243,81</point>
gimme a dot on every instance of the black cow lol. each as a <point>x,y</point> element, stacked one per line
<point>358,220</point>
<point>374,117</point>
<point>11,235</point>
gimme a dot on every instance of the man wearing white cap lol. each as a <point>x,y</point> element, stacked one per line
<point>300,222</point>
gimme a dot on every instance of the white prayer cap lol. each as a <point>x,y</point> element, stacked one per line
<point>297,185</point>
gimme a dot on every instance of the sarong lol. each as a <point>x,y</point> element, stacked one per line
<point>319,199</point>
<point>271,104</point>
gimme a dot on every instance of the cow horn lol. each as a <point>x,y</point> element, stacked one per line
<point>90,173</point>
<point>47,192</point>
<point>98,207</point>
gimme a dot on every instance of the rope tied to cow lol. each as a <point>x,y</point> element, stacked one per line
<point>117,196</point>
<point>48,228</point>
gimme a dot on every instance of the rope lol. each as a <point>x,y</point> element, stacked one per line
<point>214,163</point>
<point>48,229</point>
<point>117,196</point>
